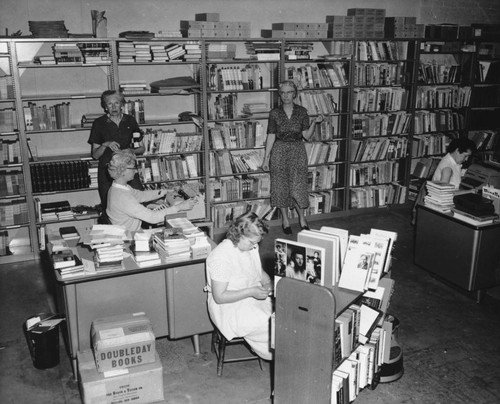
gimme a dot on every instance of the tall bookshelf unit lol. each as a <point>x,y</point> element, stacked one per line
<point>234,88</point>
<point>239,93</point>
<point>323,82</point>
<point>16,234</point>
<point>52,98</point>
<point>383,77</point>
<point>442,98</point>
<point>484,113</point>
<point>164,88</point>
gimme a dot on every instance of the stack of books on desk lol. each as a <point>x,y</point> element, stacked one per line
<point>172,246</point>
<point>439,196</point>
<point>474,219</point>
<point>108,257</point>
<point>67,263</point>
<point>107,241</point>
<point>143,251</point>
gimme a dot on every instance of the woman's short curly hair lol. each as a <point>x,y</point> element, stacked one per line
<point>290,83</point>
<point>108,93</point>
<point>248,224</point>
<point>119,163</point>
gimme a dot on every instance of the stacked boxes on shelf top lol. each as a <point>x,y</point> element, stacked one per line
<point>368,22</point>
<point>403,27</point>
<point>208,25</point>
<point>297,30</point>
<point>340,26</point>
<point>441,31</point>
<point>125,366</point>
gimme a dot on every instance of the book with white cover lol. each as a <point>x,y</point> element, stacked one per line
<point>357,265</point>
<point>380,248</point>
<point>344,238</point>
<point>367,321</point>
<point>392,236</point>
<point>331,244</point>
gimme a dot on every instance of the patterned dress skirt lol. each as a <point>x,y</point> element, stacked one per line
<point>288,169</point>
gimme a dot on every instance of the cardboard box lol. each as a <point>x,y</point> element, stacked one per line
<point>122,341</point>
<point>140,384</point>
<point>207,17</point>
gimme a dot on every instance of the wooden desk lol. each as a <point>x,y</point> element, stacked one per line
<point>171,295</point>
<point>463,254</point>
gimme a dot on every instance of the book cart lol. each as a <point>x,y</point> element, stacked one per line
<point>305,340</point>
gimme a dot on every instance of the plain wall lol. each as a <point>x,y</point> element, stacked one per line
<point>155,15</point>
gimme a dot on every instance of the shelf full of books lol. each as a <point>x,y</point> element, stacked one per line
<point>332,290</point>
<point>390,108</point>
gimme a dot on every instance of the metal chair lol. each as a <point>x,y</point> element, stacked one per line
<point>219,344</point>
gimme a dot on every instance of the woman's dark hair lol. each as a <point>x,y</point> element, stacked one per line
<point>462,145</point>
<point>248,224</point>
<point>109,93</point>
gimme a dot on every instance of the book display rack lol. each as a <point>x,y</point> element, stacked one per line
<point>203,104</point>
<point>344,333</point>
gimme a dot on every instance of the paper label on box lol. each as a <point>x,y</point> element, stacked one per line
<point>116,372</point>
<point>111,333</point>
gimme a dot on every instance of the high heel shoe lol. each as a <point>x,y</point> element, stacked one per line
<point>287,229</point>
<point>306,227</point>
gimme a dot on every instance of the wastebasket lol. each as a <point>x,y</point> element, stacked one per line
<point>42,335</point>
<point>393,369</point>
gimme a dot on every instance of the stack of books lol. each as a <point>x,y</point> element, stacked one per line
<point>187,228</point>
<point>172,245</point>
<point>143,252</point>
<point>69,233</point>
<point>158,53</point>
<point>107,241</point>
<point>67,53</point>
<point>67,263</point>
<point>261,50</point>
<point>48,29</point>
<point>474,219</point>
<point>94,52</point>
<point>193,51</point>
<point>134,87</point>
<point>52,210</point>
<point>175,51</point>
<point>439,196</point>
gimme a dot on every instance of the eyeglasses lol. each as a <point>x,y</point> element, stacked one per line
<point>287,92</point>
<point>253,242</point>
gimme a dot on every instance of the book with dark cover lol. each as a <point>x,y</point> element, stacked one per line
<point>69,232</point>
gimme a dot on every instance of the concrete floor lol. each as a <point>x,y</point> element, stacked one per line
<point>450,342</point>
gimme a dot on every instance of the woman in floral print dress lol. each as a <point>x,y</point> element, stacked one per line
<point>285,155</point>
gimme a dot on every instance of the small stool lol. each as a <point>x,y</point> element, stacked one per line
<point>219,343</point>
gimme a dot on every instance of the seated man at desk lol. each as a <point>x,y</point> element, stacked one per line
<point>124,206</point>
<point>449,169</point>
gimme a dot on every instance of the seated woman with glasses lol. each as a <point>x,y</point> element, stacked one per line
<point>285,155</point>
<point>124,202</point>
<point>238,288</point>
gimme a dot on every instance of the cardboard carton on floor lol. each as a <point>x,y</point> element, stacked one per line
<point>122,341</point>
<point>139,384</point>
